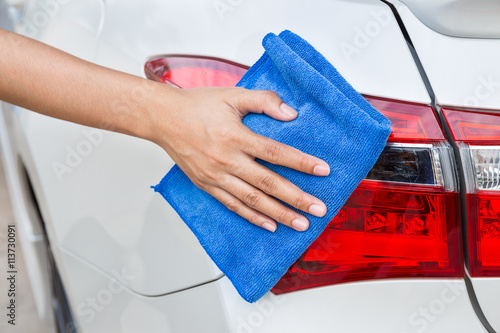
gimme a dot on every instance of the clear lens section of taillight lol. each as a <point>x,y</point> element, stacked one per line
<point>402,219</point>
<point>478,139</point>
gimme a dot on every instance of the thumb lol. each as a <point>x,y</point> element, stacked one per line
<point>267,102</point>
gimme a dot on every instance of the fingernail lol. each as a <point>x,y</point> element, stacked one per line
<point>269,226</point>
<point>288,110</point>
<point>321,170</point>
<point>317,210</point>
<point>300,224</point>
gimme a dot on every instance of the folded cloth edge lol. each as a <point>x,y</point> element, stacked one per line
<point>326,69</point>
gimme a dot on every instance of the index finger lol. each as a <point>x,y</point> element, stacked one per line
<point>278,153</point>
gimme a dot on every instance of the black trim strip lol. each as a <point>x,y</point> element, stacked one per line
<point>413,52</point>
<point>458,163</point>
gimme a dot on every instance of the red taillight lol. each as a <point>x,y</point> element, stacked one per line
<point>383,230</point>
<point>474,127</point>
<point>478,138</point>
<point>410,122</point>
<point>194,71</point>
<point>400,222</point>
<point>484,219</point>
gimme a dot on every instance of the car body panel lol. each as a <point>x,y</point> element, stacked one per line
<point>234,36</point>
<point>106,304</point>
<point>69,25</point>
<point>487,291</point>
<point>111,205</point>
<point>103,219</point>
<point>474,64</point>
<point>112,214</point>
<point>29,225</point>
<point>361,38</point>
<point>103,303</point>
<point>459,18</point>
<point>396,305</point>
<point>470,62</point>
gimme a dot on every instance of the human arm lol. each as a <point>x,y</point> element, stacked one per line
<point>200,129</point>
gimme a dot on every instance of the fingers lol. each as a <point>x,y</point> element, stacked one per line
<point>261,202</point>
<point>228,170</point>
<point>264,101</point>
<point>243,210</point>
<point>277,153</point>
<point>277,186</point>
<point>269,103</point>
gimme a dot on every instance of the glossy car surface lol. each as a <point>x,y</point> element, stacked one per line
<point>126,260</point>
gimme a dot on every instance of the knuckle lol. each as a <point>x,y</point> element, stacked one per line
<point>221,159</point>
<point>232,205</point>
<point>304,162</point>
<point>268,183</point>
<point>282,215</point>
<point>206,176</point>
<point>236,167</point>
<point>267,97</point>
<point>225,132</point>
<point>300,201</point>
<point>254,219</point>
<point>200,184</point>
<point>252,199</point>
<point>274,152</point>
<point>238,96</point>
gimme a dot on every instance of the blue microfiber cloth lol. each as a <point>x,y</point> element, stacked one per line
<point>335,123</point>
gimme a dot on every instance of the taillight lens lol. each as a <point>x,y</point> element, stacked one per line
<point>403,223</point>
<point>472,127</point>
<point>383,230</point>
<point>194,71</point>
<point>410,122</point>
<point>478,139</point>
<point>402,219</point>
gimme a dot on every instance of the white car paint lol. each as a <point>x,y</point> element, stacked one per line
<point>137,228</point>
<point>113,217</point>
<point>31,237</point>
<point>29,227</point>
<point>473,64</point>
<point>468,65</point>
<point>361,38</point>
<point>399,306</point>
<point>459,18</point>
<point>103,220</point>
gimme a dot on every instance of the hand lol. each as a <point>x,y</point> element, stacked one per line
<point>200,129</point>
<point>204,135</point>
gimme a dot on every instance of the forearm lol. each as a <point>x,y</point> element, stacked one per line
<point>200,129</point>
<point>54,83</point>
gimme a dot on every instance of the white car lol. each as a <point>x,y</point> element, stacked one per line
<point>416,248</point>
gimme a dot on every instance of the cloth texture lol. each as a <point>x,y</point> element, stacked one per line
<point>335,123</point>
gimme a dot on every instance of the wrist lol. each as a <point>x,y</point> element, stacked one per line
<point>157,112</point>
